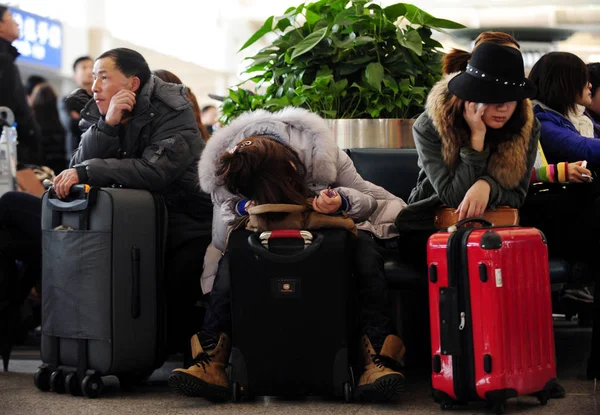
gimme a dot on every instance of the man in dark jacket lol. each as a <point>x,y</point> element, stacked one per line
<point>12,93</point>
<point>75,101</point>
<point>140,132</point>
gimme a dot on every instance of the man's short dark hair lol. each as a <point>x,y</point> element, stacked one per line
<point>3,10</point>
<point>79,60</point>
<point>594,70</point>
<point>129,63</point>
<point>32,82</point>
<point>560,78</point>
<point>207,108</point>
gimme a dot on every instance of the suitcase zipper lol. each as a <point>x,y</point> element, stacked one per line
<point>462,321</point>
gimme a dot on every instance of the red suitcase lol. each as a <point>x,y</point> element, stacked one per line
<point>491,315</point>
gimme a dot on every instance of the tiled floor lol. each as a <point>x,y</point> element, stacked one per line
<point>19,396</point>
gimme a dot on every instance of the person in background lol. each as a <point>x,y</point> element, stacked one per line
<point>593,108</point>
<point>12,93</point>
<point>210,118</point>
<point>564,91</point>
<point>31,83</point>
<point>74,102</point>
<point>44,104</point>
<point>174,79</point>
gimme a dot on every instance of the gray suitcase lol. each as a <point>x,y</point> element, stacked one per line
<point>103,306</point>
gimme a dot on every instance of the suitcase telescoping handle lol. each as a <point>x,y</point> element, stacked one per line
<point>258,248</point>
<point>80,198</point>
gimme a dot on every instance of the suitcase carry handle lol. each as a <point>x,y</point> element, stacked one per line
<point>80,198</point>
<point>260,250</point>
<point>486,223</point>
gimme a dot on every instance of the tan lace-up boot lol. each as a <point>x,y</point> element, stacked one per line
<point>206,378</point>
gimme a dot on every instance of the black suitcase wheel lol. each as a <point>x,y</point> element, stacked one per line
<point>92,386</point>
<point>543,397</point>
<point>41,379</point>
<point>72,385</point>
<point>347,392</point>
<point>444,406</point>
<point>499,408</point>
<point>236,392</point>
<point>57,382</point>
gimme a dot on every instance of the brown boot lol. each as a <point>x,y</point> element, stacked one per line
<point>206,378</point>
<point>380,383</point>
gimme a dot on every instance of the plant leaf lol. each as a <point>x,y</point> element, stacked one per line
<point>374,75</point>
<point>308,43</point>
<point>266,28</point>
<point>411,40</point>
<point>312,17</point>
<point>394,11</point>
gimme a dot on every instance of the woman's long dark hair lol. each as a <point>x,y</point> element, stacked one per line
<point>560,78</point>
<point>168,76</point>
<point>261,169</point>
<point>45,108</point>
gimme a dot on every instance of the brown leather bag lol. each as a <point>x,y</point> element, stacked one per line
<point>28,182</point>
<point>502,216</point>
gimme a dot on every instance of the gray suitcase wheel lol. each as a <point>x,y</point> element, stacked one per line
<point>92,386</point>
<point>72,385</point>
<point>347,392</point>
<point>57,382</point>
<point>41,379</point>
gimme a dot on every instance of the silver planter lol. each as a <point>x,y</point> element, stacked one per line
<point>379,133</point>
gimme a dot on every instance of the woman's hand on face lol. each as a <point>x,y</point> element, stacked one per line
<point>327,204</point>
<point>475,201</point>
<point>474,119</point>
<point>576,173</point>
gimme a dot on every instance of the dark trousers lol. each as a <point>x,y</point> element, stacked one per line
<point>371,284</point>
<point>20,240</point>
<point>184,268</point>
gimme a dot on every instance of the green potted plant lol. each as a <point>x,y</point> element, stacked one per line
<point>345,60</point>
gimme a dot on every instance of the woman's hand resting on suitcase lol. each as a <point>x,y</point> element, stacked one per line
<point>64,181</point>
<point>475,201</point>
<point>327,204</point>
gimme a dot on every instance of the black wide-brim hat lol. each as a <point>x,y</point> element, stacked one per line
<point>495,74</point>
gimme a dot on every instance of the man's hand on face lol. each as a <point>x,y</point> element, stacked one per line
<point>64,181</point>
<point>124,100</point>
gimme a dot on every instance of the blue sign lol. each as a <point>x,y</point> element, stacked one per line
<point>40,39</point>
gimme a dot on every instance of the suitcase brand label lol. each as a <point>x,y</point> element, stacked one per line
<point>285,287</point>
<point>498,277</point>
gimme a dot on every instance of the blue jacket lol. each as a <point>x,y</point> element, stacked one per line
<point>562,142</point>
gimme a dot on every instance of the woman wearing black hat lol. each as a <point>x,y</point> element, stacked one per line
<point>477,142</point>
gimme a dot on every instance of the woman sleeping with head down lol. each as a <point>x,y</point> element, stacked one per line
<point>271,176</point>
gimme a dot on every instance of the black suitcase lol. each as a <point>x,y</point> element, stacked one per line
<point>103,306</point>
<point>291,313</point>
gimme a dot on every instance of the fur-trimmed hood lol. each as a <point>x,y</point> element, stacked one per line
<point>305,132</point>
<point>507,165</point>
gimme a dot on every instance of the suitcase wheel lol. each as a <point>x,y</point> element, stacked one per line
<point>543,397</point>
<point>41,379</point>
<point>236,392</point>
<point>499,408</point>
<point>444,406</point>
<point>348,392</point>
<point>57,381</point>
<point>72,385</point>
<point>92,386</point>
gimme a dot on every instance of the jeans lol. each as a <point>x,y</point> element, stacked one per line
<point>371,285</point>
